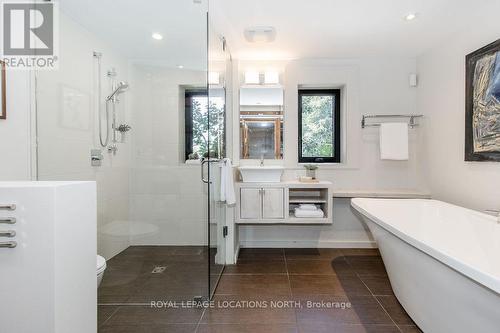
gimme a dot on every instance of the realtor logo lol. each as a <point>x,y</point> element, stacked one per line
<point>29,34</point>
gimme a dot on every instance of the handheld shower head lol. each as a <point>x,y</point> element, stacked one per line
<point>120,88</point>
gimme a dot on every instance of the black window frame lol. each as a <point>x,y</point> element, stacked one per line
<point>336,93</point>
<point>188,119</point>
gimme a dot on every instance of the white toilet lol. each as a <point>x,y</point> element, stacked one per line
<point>101,267</point>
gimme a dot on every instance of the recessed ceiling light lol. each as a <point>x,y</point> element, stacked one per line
<point>157,36</point>
<point>410,16</point>
<point>180,66</point>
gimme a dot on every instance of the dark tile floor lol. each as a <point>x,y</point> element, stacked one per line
<point>321,290</point>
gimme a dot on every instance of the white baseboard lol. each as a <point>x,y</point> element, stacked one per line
<point>306,244</point>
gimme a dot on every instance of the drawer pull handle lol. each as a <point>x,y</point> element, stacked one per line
<point>8,245</point>
<point>8,207</point>
<point>8,220</point>
<point>8,233</point>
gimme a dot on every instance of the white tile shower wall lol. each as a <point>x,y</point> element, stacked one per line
<point>15,151</point>
<point>68,129</point>
<point>167,198</point>
<point>370,86</point>
<point>441,97</point>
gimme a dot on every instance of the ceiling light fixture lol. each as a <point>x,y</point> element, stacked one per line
<point>157,36</point>
<point>410,16</point>
<point>180,66</point>
<point>260,34</point>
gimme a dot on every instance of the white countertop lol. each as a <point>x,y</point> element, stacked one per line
<point>385,193</point>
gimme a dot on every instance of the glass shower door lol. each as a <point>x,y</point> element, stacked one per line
<point>130,139</point>
<point>218,75</point>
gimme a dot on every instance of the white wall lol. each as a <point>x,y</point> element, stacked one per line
<point>68,129</point>
<point>369,86</point>
<point>168,201</point>
<point>441,97</point>
<point>15,151</point>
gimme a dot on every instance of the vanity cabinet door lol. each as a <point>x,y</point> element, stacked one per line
<point>250,203</point>
<point>273,203</point>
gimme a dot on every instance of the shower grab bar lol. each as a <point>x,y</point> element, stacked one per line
<point>8,245</point>
<point>411,123</point>
<point>8,220</point>
<point>8,207</point>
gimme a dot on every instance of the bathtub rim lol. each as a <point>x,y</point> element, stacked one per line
<point>484,279</point>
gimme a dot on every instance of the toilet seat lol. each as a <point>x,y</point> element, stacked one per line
<point>101,264</point>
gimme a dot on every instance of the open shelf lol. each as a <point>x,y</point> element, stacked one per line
<point>316,196</point>
<point>298,199</point>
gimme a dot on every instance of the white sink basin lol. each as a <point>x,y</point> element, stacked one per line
<point>261,174</point>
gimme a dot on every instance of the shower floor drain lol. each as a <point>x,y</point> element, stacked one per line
<point>159,269</point>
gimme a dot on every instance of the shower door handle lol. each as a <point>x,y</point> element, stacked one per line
<point>207,181</point>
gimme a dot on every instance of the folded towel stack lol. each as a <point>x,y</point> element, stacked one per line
<point>308,210</point>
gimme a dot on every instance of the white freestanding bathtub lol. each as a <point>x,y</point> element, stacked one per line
<point>443,262</point>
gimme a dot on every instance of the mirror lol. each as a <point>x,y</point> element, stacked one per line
<point>261,122</point>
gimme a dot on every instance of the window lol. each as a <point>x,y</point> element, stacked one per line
<point>199,129</point>
<point>319,126</point>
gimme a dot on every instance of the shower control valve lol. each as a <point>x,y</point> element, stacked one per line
<point>96,157</point>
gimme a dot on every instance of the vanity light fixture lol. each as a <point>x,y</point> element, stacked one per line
<point>271,77</point>
<point>157,36</point>
<point>410,16</point>
<point>252,77</point>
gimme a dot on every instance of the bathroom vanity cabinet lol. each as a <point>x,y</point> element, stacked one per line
<point>274,203</point>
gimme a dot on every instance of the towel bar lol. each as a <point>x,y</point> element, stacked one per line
<point>411,123</point>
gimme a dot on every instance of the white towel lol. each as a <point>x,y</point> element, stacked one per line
<point>308,213</point>
<point>308,207</point>
<point>394,141</point>
<point>227,182</point>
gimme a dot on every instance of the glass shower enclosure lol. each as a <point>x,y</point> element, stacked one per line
<point>138,105</point>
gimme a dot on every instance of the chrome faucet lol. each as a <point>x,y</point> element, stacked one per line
<point>494,212</point>
<point>262,160</point>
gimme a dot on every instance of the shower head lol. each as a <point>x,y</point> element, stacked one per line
<point>120,88</point>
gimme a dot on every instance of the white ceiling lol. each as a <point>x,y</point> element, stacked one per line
<point>305,28</point>
<point>127,26</point>
<point>341,28</point>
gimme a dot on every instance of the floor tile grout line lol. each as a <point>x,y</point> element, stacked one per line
<point>380,304</point>
<point>383,308</point>
<point>104,323</point>
<point>290,290</point>
<point>199,320</point>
